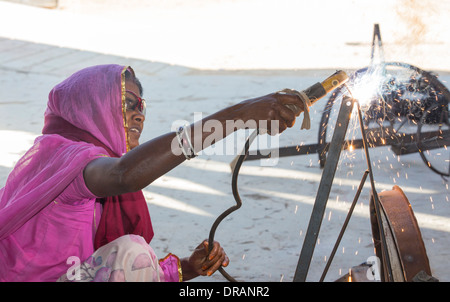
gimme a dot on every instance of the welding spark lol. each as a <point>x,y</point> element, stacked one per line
<point>367,86</point>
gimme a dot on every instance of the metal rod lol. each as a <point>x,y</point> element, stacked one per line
<point>400,143</point>
<point>376,37</point>
<point>324,189</point>
<point>375,195</point>
<point>344,226</point>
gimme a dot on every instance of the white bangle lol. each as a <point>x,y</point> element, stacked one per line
<point>184,140</point>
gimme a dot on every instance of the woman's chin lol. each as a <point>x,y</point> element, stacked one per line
<point>133,140</point>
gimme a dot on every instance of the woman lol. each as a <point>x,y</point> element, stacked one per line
<point>72,208</point>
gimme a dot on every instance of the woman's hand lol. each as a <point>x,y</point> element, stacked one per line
<point>271,112</point>
<point>202,262</point>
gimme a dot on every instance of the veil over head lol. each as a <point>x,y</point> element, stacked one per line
<point>91,100</point>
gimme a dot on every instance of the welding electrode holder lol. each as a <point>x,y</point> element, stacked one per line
<point>317,91</point>
<point>313,93</point>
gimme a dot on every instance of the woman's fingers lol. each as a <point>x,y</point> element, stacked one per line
<point>278,119</point>
<point>290,100</point>
<point>215,259</point>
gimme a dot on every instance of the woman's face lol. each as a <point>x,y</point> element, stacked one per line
<point>135,118</point>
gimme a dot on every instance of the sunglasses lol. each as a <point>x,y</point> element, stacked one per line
<point>137,103</point>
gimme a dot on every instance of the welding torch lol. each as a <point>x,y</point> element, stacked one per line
<point>317,91</point>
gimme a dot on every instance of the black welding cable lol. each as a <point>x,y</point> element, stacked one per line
<point>236,196</point>
<point>308,97</point>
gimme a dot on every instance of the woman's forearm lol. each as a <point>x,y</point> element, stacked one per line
<point>143,164</point>
<point>154,158</point>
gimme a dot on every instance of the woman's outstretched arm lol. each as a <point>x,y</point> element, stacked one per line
<point>143,164</point>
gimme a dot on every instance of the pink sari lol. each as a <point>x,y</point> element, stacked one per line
<point>39,229</point>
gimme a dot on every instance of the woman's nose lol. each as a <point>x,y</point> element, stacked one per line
<point>138,117</point>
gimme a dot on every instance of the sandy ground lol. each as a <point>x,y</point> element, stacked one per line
<point>194,59</point>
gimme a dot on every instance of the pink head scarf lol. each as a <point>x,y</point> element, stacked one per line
<point>91,100</point>
<point>84,118</point>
